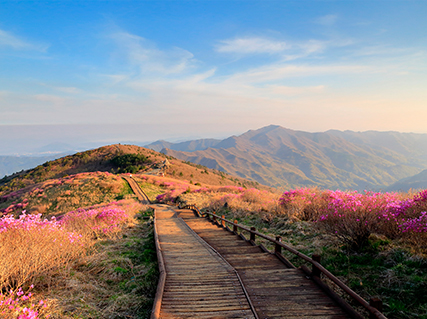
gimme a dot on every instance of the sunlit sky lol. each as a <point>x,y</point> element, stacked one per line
<point>210,68</point>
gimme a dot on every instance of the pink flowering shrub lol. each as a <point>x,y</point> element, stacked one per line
<point>353,217</point>
<point>20,305</point>
<point>104,221</point>
<point>173,189</point>
<point>32,247</point>
<point>416,225</point>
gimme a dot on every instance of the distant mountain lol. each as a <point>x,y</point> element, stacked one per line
<point>418,181</point>
<point>13,164</point>
<point>159,145</point>
<point>189,146</point>
<point>281,157</point>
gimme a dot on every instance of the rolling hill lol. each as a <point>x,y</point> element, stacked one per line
<point>86,178</point>
<point>280,157</point>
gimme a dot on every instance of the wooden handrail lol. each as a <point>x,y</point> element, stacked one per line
<point>155,313</point>
<point>374,312</point>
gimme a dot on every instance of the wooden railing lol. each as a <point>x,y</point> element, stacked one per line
<point>155,313</point>
<point>374,307</point>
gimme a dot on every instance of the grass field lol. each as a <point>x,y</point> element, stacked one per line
<point>96,262</point>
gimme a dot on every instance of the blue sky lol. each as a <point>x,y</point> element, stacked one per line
<point>213,68</point>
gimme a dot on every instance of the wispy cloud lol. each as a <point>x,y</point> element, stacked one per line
<point>283,50</point>
<point>149,58</point>
<point>251,46</point>
<point>174,73</point>
<point>8,40</point>
<point>275,72</point>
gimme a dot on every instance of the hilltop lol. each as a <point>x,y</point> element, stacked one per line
<point>90,177</point>
<point>101,159</point>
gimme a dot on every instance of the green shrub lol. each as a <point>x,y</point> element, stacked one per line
<point>130,163</point>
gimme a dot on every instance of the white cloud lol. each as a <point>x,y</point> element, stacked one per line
<point>251,45</point>
<point>287,51</point>
<point>149,58</point>
<point>277,72</point>
<point>7,39</point>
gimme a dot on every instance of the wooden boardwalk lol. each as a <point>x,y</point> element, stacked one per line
<point>275,290</point>
<point>199,283</point>
<point>219,275</point>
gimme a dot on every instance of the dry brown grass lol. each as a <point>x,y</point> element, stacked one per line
<point>236,199</point>
<point>47,254</point>
<point>28,255</point>
<point>100,286</point>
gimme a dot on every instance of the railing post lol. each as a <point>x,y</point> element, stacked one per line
<point>377,303</point>
<point>252,238</point>
<point>222,220</point>
<point>235,226</point>
<point>316,271</point>
<point>278,248</point>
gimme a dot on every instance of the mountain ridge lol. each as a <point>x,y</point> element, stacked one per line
<point>281,157</point>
